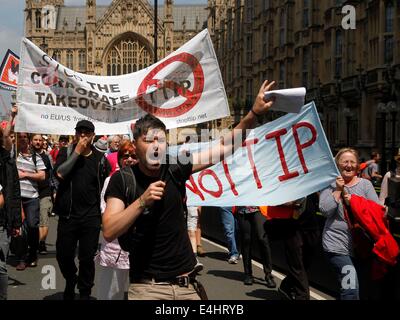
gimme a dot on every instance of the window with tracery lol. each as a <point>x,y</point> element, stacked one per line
<point>127,56</point>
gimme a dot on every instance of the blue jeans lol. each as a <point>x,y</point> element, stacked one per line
<point>346,274</point>
<point>228,222</point>
<point>4,246</point>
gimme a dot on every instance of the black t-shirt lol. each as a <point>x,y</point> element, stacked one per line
<point>85,184</point>
<point>44,186</point>
<point>163,248</point>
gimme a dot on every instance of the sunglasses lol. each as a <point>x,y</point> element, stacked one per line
<point>127,156</point>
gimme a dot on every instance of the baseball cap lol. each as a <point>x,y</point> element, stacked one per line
<point>65,138</point>
<point>85,124</point>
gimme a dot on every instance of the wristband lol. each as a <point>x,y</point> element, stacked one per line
<point>256,114</point>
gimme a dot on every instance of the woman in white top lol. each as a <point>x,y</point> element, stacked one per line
<point>113,261</point>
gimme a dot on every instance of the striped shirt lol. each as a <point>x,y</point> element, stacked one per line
<point>29,188</point>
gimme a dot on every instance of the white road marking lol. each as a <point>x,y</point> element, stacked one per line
<point>277,274</point>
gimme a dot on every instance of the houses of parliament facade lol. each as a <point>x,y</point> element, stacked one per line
<point>353,75</point>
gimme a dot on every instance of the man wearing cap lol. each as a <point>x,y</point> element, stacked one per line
<point>81,170</point>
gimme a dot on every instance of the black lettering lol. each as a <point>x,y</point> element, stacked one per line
<point>68,75</point>
<point>83,103</point>
<point>104,99</point>
<point>60,83</point>
<point>72,102</point>
<point>92,85</point>
<point>60,100</point>
<point>114,88</point>
<point>33,75</point>
<point>95,104</point>
<point>40,95</point>
<point>102,88</point>
<point>69,85</point>
<point>114,100</point>
<point>47,59</point>
<point>93,95</point>
<point>124,99</point>
<point>49,100</point>
<point>81,91</point>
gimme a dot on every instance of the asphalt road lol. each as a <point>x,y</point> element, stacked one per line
<point>222,281</point>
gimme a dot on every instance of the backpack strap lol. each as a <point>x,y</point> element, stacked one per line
<point>129,184</point>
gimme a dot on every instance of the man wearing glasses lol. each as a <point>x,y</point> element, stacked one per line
<point>81,170</point>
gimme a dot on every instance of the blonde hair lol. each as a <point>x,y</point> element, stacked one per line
<point>349,150</point>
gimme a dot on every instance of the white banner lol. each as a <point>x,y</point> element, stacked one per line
<point>185,88</point>
<point>281,161</point>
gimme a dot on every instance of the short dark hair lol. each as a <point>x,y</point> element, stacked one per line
<point>374,154</point>
<point>145,123</point>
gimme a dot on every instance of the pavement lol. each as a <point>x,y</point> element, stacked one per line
<point>223,281</point>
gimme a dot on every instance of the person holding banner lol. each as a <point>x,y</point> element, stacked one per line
<point>336,237</point>
<point>150,222</point>
<point>10,211</point>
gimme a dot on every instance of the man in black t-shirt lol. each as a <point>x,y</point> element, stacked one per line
<point>160,250</point>
<point>81,170</point>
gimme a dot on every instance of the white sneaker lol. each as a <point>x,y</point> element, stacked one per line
<point>233,260</point>
<point>198,267</point>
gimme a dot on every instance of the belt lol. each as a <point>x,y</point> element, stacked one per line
<point>181,281</point>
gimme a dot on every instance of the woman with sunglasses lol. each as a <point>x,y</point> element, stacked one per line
<point>113,261</point>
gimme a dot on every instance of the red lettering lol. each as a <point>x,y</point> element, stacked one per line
<point>277,135</point>
<point>299,146</point>
<point>193,187</point>
<point>229,178</point>
<point>248,144</point>
<point>215,194</point>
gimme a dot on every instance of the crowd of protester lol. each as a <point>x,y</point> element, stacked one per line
<point>151,241</point>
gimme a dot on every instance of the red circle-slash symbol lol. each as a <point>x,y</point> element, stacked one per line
<point>192,96</point>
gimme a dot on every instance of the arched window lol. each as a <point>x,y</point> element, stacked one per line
<point>70,59</point>
<point>82,60</point>
<point>126,55</point>
<point>38,19</point>
<point>389,15</point>
<point>57,55</point>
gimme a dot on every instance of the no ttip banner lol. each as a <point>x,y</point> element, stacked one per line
<point>181,87</point>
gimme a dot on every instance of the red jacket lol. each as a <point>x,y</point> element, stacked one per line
<point>370,216</point>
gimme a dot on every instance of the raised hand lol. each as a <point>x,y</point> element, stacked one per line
<point>261,106</point>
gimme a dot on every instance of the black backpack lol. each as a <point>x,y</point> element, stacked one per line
<point>131,238</point>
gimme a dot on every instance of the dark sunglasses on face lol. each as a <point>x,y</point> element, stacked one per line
<point>127,156</point>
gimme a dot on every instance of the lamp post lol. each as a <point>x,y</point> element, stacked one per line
<point>155,30</point>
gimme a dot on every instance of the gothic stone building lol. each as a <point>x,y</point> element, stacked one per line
<point>110,40</point>
<point>353,75</point>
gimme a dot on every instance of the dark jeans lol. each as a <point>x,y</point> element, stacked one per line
<point>4,246</point>
<point>252,225</point>
<point>298,253</point>
<point>228,222</point>
<point>69,232</point>
<point>32,215</point>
